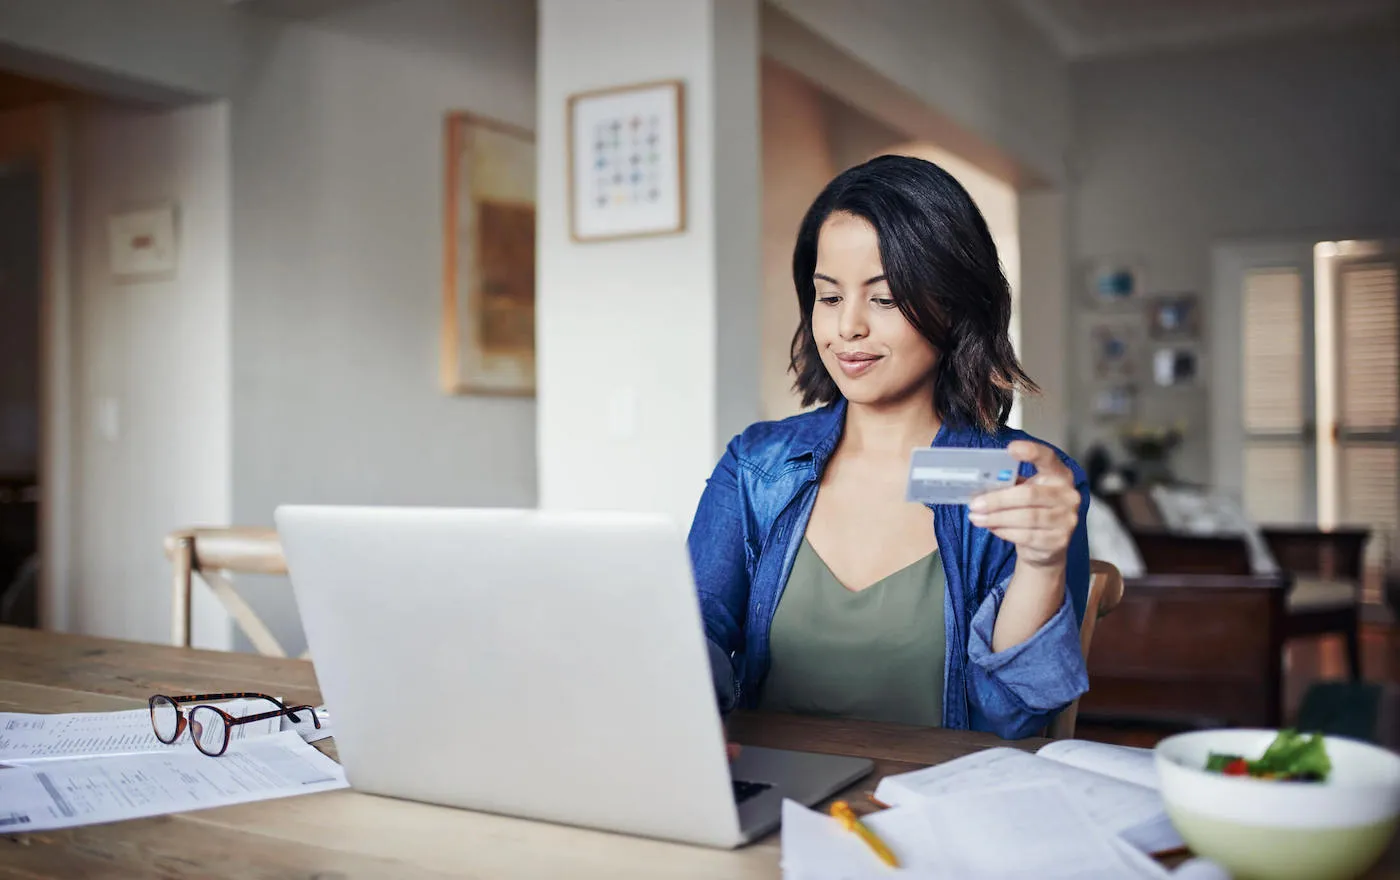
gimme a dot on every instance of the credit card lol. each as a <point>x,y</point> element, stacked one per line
<point>957,475</point>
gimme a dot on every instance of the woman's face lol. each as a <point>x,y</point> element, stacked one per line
<point>871,351</point>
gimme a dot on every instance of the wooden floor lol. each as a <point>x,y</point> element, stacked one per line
<point>1306,661</point>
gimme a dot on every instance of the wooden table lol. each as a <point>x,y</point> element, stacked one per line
<point>349,834</point>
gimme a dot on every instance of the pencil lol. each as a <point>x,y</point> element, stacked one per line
<point>841,811</point>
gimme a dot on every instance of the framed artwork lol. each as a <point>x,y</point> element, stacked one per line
<point>1114,402</point>
<point>1174,366</point>
<point>1174,316</point>
<point>1114,281</point>
<point>142,244</point>
<point>488,289</point>
<point>627,162</point>
<point>1115,347</point>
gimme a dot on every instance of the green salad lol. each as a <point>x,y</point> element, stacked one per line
<point>1291,757</point>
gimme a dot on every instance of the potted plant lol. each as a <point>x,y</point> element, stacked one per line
<point>1150,448</point>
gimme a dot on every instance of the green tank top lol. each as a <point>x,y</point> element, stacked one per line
<point>875,655</point>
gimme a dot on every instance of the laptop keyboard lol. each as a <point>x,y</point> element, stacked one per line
<point>745,790</point>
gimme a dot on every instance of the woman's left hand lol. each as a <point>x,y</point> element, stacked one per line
<point>1039,515</point>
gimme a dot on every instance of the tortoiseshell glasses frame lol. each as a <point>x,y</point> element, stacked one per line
<point>209,725</point>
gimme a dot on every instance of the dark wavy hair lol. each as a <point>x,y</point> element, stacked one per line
<point>944,274</point>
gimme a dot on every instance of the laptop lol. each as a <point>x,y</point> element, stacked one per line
<point>542,664</point>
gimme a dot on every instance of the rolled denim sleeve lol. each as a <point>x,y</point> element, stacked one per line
<point>1017,692</point>
<point>717,556</point>
<point>1020,689</point>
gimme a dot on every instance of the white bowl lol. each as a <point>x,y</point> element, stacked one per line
<point>1262,829</point>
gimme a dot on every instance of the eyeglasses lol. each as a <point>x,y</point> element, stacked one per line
<point>209,725</point>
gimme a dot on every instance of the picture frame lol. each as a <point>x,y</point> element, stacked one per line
<point>142,244</point>
<point>1114,402</point>
<point>488,285</point>
<point>1114,281</point>
<point>1115,347</point>
<point>1174,316</point>
<point>627,162</point>
<point>1176,366</point>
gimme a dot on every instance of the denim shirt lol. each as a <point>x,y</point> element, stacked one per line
<point>751,520</point>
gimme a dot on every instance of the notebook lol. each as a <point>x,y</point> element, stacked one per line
<point>964,836</point>
<point>1114,786</point>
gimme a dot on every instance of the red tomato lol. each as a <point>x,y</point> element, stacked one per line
<point>1237,767</point>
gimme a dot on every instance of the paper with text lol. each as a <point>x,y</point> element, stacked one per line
<point>1133,811</point>
<point>308,730</point>
<point>90,791</point>
<point>25,738</point>
<point>1022,831</point>
<point>1121,762</point>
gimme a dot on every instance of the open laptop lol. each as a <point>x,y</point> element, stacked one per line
<point>543,664</point>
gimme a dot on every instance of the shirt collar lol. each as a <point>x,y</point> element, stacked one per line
<point>820,432</point>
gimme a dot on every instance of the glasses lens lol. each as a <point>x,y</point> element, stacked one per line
<point>165,718</point>
<point>209,729</point>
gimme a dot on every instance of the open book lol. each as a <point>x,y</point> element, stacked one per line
<point>1115,786</point>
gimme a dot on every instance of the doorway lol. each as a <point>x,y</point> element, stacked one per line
<point>21,279</point>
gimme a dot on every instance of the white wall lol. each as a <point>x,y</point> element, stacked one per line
<point>797,163</point>
<point>1178,152</point>
<point>151,367</point>
<point>1044,320</point>
<point>337,235</point>
<point>648,346</point>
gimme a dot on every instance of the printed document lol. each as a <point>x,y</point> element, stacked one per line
<point>1035,830</point>
<point>1115,786</point>
<point>25,738</point>
<point>90,791</point>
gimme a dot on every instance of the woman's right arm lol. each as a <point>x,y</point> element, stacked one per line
<point>717,555</point>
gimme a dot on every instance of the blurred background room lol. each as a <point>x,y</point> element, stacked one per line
<point>358,251</point>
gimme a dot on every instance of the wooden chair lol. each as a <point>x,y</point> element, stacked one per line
<point>1328,568</point>
<point>1105,592</point>
<point>1324,568</point>
<point>1189,651</point>
<point>212,553</point>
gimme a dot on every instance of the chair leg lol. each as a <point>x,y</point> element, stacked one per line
<point>1353,638</point>
<point>182,559</point>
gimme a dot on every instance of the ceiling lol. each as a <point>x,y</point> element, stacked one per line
<point>298,9</point>
<point>1083,29</point>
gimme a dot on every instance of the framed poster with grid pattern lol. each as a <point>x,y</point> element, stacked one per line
<point>626,161</point>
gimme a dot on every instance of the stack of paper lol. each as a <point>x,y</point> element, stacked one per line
<point>1114,786</point>
<point>61,770</point>
<point>1034,830</point>
<point>1072,809</point>
<point>62,793</point>
<point>26,737</point>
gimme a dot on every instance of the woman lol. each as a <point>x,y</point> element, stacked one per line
<point>822,589</point>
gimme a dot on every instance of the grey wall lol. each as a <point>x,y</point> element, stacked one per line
<point>336,278</point>
<point>149,365</point>
<point>1178,152</point>
<point>19,319</point>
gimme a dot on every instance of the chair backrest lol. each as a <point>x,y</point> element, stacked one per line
<point>212,553</point>
<point>1172,553</point>
<point>1334,554</point>
<point>1105,592</point>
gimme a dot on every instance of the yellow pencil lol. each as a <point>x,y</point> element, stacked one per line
<point>841,811</point>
